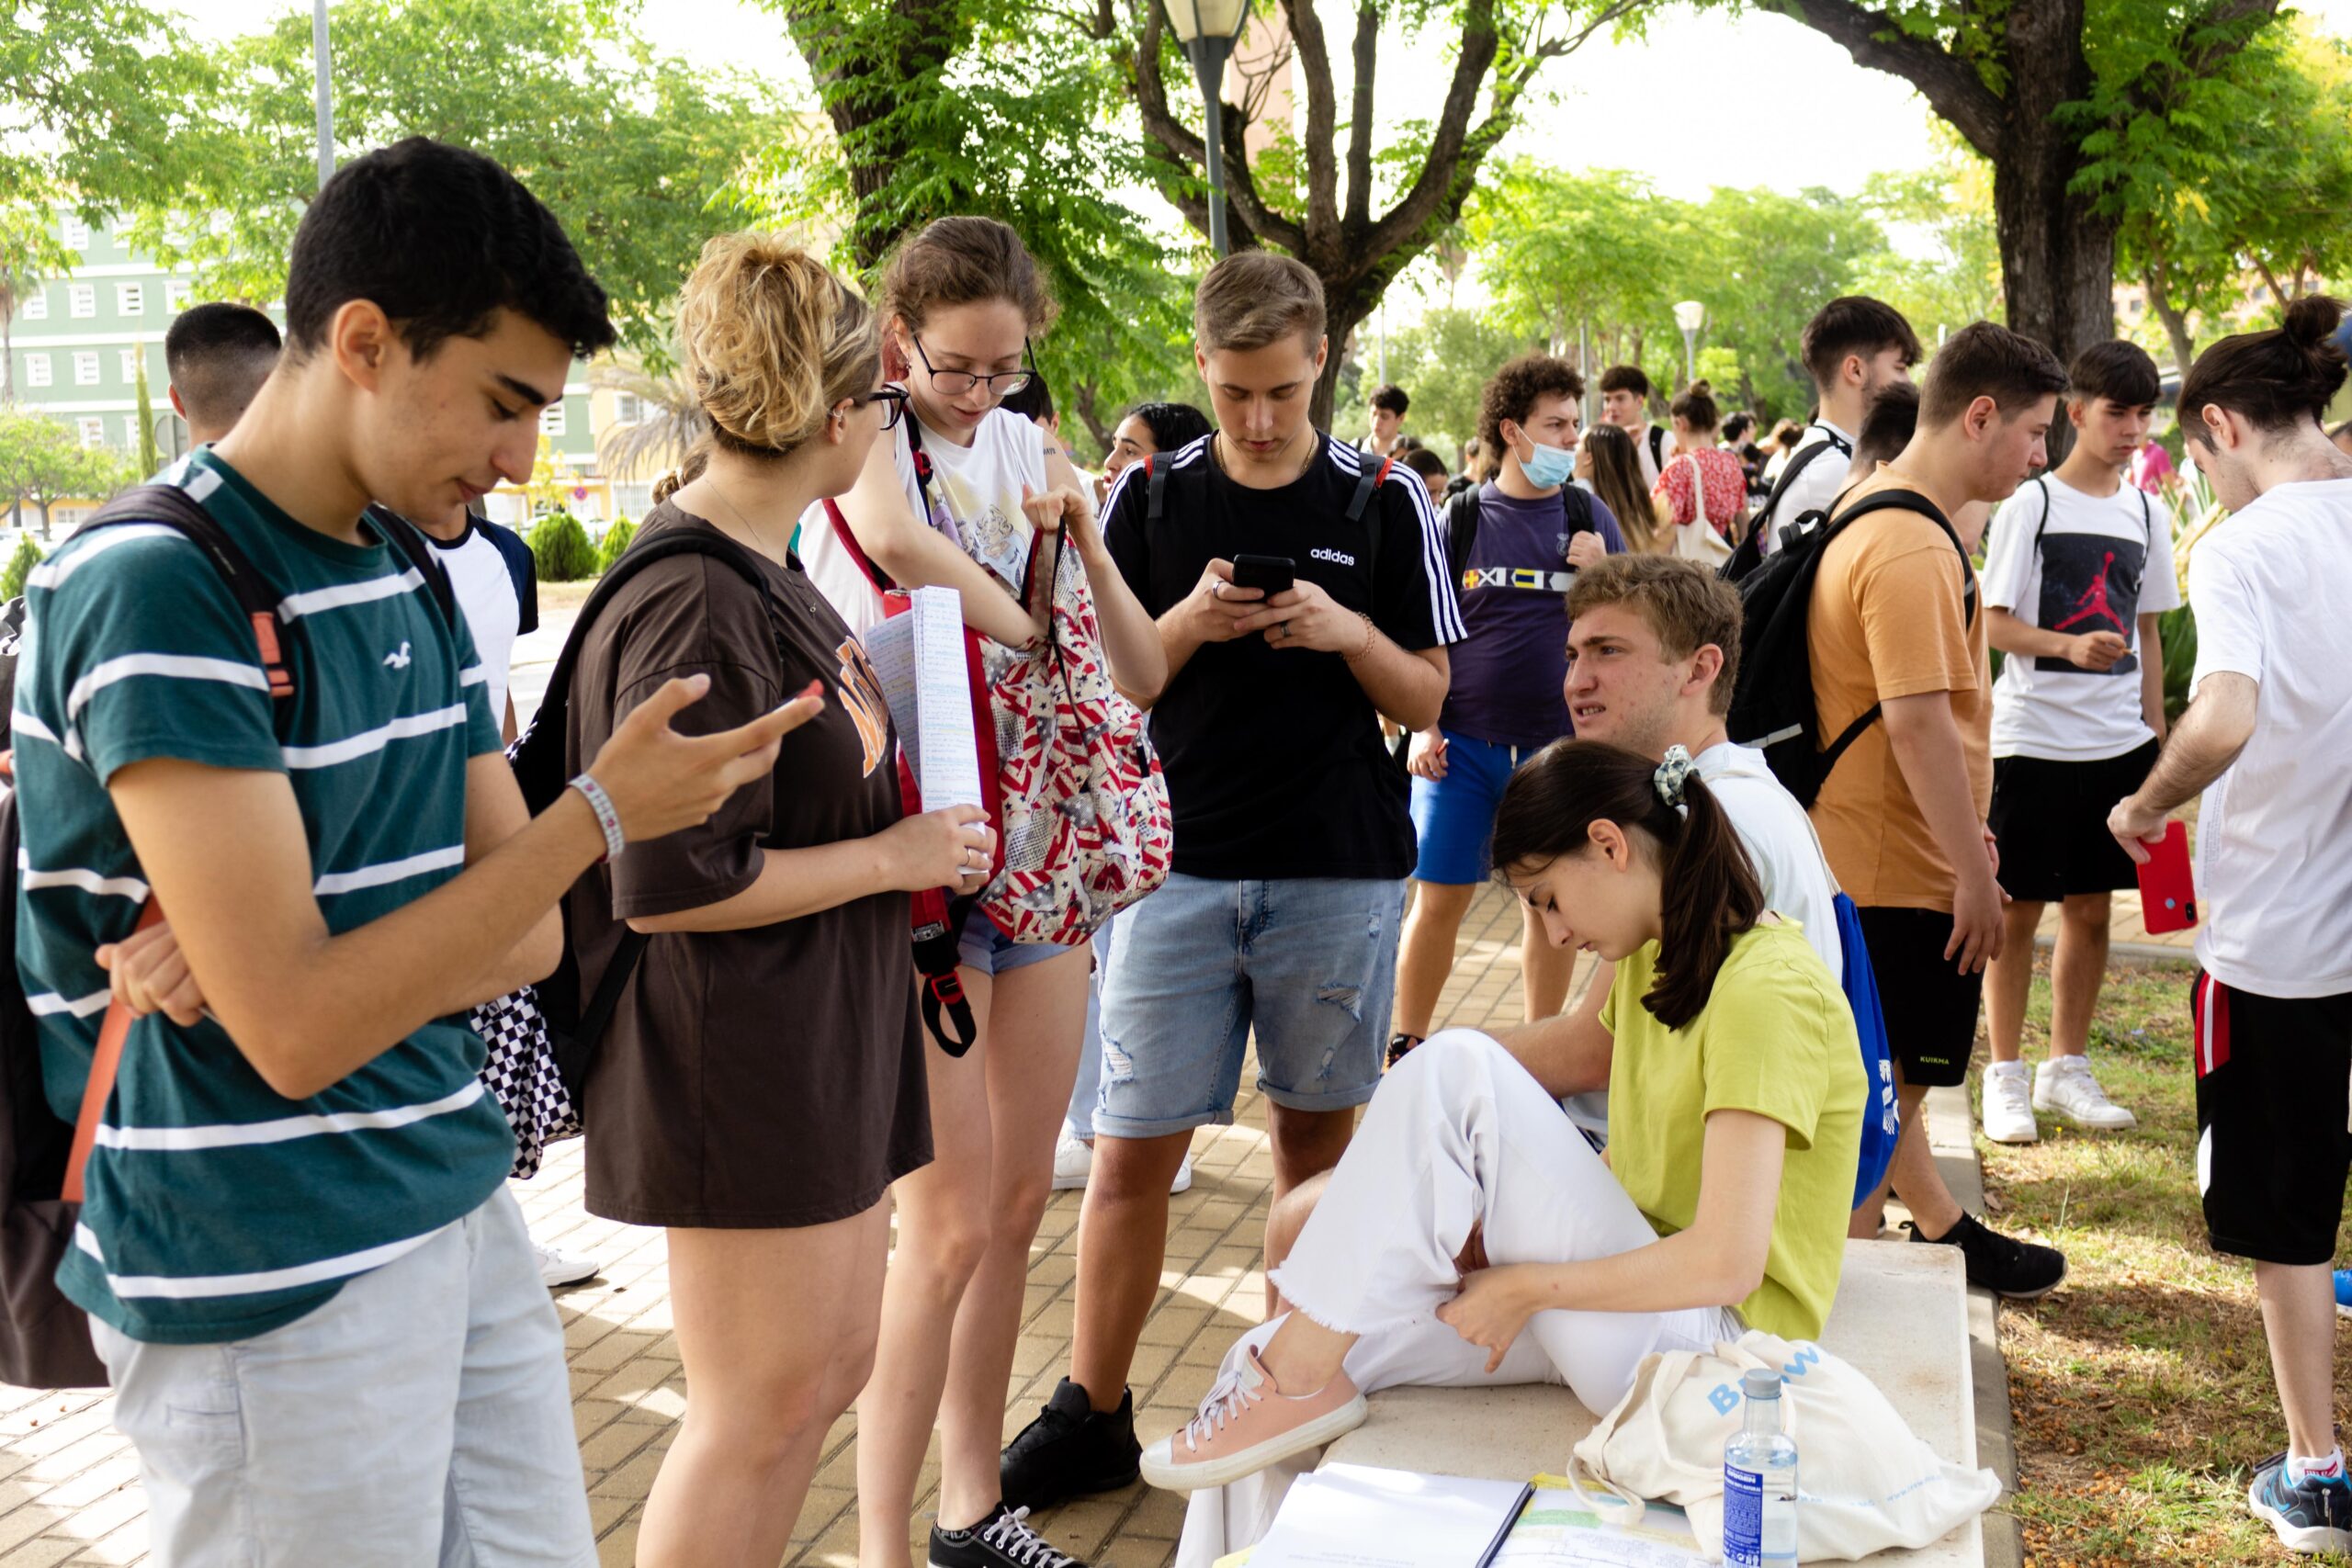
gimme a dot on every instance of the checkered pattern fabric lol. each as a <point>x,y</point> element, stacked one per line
<point>521,1075</point>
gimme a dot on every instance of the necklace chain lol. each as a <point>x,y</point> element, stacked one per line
<point>748,527</point>
<point>1217,450</point>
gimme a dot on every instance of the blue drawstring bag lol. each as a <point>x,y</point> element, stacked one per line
<point>1881,1115</point>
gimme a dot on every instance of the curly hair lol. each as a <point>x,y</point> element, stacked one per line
<point>770,341</point>
<point>1511,393</point>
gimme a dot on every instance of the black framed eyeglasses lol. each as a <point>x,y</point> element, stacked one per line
<point>956,383</point>
<point>893,400</point>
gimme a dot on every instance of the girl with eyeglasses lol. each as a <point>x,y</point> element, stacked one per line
<point>960,494</point>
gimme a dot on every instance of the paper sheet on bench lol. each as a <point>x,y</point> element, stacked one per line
<point>919,659</point>
<point>1352,1515</point>
<point>1558,1531</point>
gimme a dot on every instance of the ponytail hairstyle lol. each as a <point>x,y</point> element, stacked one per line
<point>962,261</point>
<point>2274,381</point>
<point>1696,407</point>
<point>771,342</point>
<point>1709,893</point>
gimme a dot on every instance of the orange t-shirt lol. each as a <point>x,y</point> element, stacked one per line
<point>1888,619</point>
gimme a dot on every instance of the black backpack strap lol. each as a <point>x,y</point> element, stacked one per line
<point>174,508</point>
<point>1155,490</point>
<point>1462,510</point>
<point>913,427</point>
<point>1577,504</point>
<point>1657,447</point>
<point>2042,484</point>
<point>1368,486</point>
<point>1749,553</point>
<point>409,540</point>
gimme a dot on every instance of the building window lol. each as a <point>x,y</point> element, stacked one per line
<point>94,429</point>
<point>36,370</point>
<point>130,431</point>
<point>626,407</point>
<point>81,301</point>
<point>85,368</point>
<point>131,298</point>
<point>176,293</point>
<point>36,306</point>
<point>551,420</point>
<point>76,233</point>
<point>130,366</point>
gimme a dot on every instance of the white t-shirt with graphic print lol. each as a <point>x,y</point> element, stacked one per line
<point>2103,561</point>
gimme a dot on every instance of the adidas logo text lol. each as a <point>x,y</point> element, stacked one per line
<point>1334,557</point>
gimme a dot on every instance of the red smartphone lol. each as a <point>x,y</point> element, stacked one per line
<point>2167,895</point>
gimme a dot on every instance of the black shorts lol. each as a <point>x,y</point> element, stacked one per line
<point>2051,820</point>
<point>2272,1146</point>
<point>1930,1005</point>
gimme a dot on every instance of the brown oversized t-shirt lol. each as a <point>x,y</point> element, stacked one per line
<point>771,1076</point>
<point>1888,619</point>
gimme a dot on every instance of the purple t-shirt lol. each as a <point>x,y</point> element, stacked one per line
<point>1507,677</point>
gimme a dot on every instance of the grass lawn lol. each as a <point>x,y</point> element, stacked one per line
<point>2142,1389</point>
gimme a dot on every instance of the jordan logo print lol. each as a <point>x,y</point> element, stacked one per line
<point>2093,604</point>
<point>2090,583</point>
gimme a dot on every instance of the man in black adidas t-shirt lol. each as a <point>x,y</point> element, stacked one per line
<point>1291,836</point>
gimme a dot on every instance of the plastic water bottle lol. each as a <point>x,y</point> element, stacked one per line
<point>1760,1481</point>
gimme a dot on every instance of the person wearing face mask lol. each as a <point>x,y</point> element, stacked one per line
<point>1513,546</point>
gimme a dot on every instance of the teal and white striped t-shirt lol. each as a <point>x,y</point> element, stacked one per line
<point>217,1208</point>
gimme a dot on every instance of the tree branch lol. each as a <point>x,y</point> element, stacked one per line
<point>1322,117</point>
<point>2224,35</point>
<point>1185,152</point>
<point>1360,120</point>
<point>1422,202</point>
<point>1950,84</point>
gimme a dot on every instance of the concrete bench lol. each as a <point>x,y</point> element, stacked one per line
<point>1901,1318</point>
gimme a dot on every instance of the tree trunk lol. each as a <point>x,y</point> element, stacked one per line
<point>2184,346</point>
<point>1343,314</point>
<point>1088,399</point>
<point>2057,253</point>
<point>861,81</point>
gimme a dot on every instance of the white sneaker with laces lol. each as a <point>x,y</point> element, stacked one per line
<point>1073,1163</point>
<point>2009,1101</point>
<point>1183,1182</point>
<point>560,1268</point>
<point>2066,1087</point>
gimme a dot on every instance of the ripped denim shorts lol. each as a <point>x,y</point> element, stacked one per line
<point>1307,963</point>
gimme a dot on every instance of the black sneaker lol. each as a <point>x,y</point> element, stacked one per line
<point>1399,1046</point>
<point>2314,1517</point>
<point>1004,1539</point>
<point>2017,1270</point>
<point>1071,1449</point>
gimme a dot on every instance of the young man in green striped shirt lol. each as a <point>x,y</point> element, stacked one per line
<point>315,1296</point>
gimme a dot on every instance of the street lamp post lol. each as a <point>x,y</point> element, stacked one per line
<point>324,91</point>
<point>1689,315</point>
<point>1208,29</point>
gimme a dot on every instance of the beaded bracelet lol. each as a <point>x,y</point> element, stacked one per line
<point>1370,632</point>
<point>606,818</point>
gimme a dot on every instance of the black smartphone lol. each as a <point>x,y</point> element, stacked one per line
<point>1272,573</point>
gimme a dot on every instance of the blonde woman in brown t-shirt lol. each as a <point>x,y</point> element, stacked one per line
<point>761,1083</point>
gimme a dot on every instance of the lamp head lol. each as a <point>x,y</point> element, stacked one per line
<point>1189,19</point>
<point>1689,315</point>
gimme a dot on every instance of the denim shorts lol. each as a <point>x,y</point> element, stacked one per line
<point>1453,817</point>
<point>1308,963</point>
<point>421,1416</point>
<point>985,947</point>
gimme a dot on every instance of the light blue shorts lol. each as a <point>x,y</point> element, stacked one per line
<point>1308,963</point>
<point>421,1416</point>
<point>985,947</point>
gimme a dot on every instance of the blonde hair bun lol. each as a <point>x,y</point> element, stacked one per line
<point>770,341</point>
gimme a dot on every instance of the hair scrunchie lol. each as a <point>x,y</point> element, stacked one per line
<point>1671,774</point>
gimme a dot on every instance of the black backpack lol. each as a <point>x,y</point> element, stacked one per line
<point>1773,706</point>
<point>1462,525</point>
<point>1749,553</point>
<point>44,1338</point>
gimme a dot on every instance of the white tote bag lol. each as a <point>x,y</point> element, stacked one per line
<point>1696,539</point>
<point>1865,1480</point>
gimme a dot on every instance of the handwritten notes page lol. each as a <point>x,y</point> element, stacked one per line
<point>919,659</point>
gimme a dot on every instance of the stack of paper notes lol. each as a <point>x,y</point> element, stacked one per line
<point>1347,1516</point>
<point>919,659</point>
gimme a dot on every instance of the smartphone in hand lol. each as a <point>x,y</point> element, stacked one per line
<point>1274,574</point>
<point>2167,893</point>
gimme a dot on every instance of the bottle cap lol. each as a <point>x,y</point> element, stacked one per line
<point>1760,1383</point>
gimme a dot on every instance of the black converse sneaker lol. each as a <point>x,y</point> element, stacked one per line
<point>1004,1539</point>
<point>2015,1270</point>
<point>1071,1449</point>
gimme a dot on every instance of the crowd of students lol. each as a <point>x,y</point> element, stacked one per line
<point>329,1338</point>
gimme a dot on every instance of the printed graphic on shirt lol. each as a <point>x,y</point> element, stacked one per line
<point>861,693</point>
<point>2090,583</point>
<point>992,529</point>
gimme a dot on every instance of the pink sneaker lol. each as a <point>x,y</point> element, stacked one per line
<point>1247,1424</point>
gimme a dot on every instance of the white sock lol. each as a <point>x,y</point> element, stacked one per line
<point>2008,1070</point>
<point>2300,1470</point>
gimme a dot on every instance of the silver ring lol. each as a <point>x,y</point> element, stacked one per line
<point>1282,631</point>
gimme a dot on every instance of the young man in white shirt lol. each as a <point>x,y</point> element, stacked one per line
<point>2268,739</point>
<point>1626,403</point>
<point>1388,404</point>
<point>2077,572</point>
<point>1853,347</point>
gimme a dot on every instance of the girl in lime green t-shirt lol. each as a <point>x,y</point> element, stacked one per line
<point>1472,1236</point>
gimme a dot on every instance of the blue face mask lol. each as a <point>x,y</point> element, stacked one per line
<point>1550,465</point>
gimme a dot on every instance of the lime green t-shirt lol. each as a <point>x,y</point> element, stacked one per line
<point>1777,1038</point>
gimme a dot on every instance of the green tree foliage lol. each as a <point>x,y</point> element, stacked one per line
<point>104,103</point>
<point>616,540</point>
<point>1443,361</point>
<point>562,548</point>
<point>20,566</point>
<point>43,462</point>
<point>30,252</point>
<point>1946,209</point>
<point>150,457</point>
<point>1565,252</point>
<point>637,152</point>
